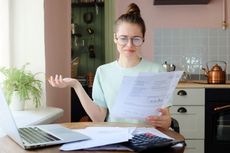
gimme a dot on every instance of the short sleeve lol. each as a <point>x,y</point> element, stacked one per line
<point>97,91</point>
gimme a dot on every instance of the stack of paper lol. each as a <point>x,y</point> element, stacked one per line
<point>107,138</point>
<point>100,136</point>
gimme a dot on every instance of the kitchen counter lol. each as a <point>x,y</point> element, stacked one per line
<point>201,84</point>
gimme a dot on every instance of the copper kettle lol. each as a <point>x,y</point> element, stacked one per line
<point>216,75</point>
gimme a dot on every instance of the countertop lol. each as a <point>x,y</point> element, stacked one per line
<point>201,84</point>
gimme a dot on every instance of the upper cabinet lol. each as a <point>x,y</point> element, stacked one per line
<point>179,2</point>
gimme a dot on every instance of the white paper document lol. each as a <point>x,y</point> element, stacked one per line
<point>100,136</point>
<point>141,96</point>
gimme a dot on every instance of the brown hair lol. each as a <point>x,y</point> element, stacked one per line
<point>133,15</point>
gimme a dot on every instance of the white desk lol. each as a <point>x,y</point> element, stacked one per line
<point>36,116</point>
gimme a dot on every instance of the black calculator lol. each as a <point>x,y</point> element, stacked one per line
<point>148,142</point>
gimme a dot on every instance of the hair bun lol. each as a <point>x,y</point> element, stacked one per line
<point>133,9</point>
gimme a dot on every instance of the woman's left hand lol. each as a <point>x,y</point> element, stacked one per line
<point>162,121</point>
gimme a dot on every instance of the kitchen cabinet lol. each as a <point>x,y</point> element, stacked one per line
<point>188,110</point>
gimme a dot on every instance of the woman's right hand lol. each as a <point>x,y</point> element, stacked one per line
<point>58,81</point>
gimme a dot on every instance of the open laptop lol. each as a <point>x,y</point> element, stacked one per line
<point>31,137</point>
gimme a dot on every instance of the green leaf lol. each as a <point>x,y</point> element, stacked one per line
<point>23,81</point>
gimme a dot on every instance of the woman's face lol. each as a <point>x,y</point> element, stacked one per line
<point>128,39</point>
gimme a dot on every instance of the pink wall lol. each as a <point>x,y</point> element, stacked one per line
<point>174,16</point>
<point>58,51</point>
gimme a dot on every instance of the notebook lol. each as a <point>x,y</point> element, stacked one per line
<point>31,137</point>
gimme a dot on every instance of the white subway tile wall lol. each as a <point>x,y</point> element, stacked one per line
<point>192,49</point>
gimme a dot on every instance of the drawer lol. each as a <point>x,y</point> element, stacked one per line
<point>194,146</point>
<point>191,122</point>
<point>189,97</point>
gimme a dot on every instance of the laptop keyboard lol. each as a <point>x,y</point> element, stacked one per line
<point>35,135</point>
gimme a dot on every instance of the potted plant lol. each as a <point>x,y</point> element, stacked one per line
<point>21,83</point>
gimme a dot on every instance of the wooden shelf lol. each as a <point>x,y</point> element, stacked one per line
<point>179,2</point>
<point>87,4</point>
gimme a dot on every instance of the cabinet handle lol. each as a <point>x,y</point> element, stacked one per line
<point>182,93</point>
<point>222,108</point>
<point>182,110</point>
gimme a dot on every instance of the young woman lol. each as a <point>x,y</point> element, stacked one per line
<point>129,36</point>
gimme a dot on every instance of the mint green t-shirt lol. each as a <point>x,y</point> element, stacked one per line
<point>107,82</point>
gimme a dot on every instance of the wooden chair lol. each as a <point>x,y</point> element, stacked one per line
<point>85,118</point>
<point>175,125</point>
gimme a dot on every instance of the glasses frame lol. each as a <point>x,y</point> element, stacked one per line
<point>129,38</point>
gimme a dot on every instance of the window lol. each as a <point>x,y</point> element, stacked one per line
<point>22,35</point>
<point>4,30</point>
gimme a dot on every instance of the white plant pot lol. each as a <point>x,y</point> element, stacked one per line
<point>16,104</point>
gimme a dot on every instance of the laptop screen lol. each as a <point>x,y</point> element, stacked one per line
<point>7,122</point>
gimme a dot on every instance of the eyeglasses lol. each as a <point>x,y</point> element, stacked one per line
<point>123,40</point>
